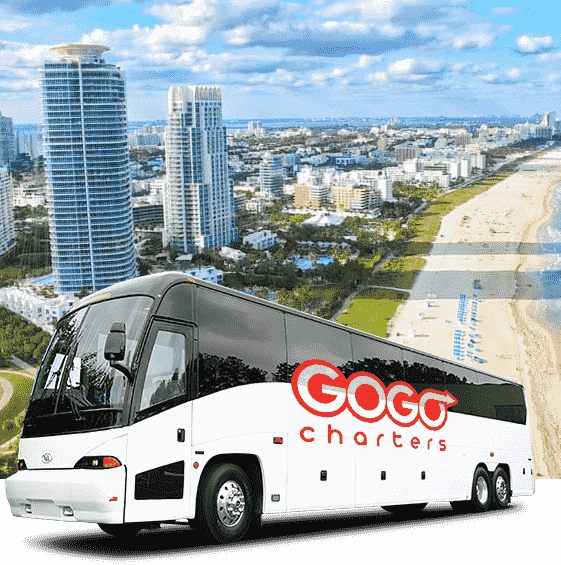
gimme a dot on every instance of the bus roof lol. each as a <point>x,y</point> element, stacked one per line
<point>158,284</point>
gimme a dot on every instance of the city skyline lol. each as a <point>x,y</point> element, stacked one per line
<point>300,59</point>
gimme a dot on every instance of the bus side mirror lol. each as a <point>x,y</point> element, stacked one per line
<point>115,346</point>
<point>116,343</point>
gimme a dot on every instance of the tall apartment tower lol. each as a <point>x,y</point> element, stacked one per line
<point>271,171</point>
<point>199,208</point>
<point>87,162</point>
<point>7,232</point>
<point>7,148</point>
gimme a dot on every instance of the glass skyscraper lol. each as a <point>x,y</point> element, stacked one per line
<point>199,209</point>
<point>87,162</point>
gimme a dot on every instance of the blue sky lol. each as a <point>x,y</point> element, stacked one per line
<point>317,58</point>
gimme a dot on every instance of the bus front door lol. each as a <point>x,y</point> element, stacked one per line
<point>159,440</point>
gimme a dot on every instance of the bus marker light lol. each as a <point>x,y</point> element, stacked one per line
<point>492,454</point>
<point>109,462</point>
<point>28,508</point>
<point>196,464</point>
<point>67,511</point>
<point>114,499</point>
<point>277,440</point>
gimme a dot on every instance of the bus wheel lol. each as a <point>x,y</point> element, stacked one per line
<point>121,530</point>
<point>481,493</point>
<point>405,509</point>
<point>227,503</point>
<point>501,489</point>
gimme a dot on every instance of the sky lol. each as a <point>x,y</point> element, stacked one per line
<point>316,58</point>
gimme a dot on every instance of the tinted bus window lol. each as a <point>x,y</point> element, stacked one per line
<point>423,372</point>
<point>178,303</point>
<point>240,342</point>
<point>308,339</point>
<point>378,358</point>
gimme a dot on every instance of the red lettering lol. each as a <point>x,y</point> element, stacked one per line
<point>330,431</point>
<point>322,389</point>
<point>379,438</point>
<point>307,428</point>
<point>395,437</point>
<point>415,442</point>
<point>428,444</point>
<point>442,444</point>
<point>364,440</point>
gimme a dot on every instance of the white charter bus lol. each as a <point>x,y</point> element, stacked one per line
<point>166,398</point>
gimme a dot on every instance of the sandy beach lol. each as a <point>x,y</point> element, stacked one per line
<point>483,251</point>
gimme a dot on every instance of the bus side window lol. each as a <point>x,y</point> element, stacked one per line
<point>240,342</point>
<point>422,371</point>
<point>377,358</point>
<point>165,377</point>
<point>308,339</point>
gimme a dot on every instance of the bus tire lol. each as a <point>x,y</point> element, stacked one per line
<point>227,503</point>
<point>481,492</point>
<point>122,531</point>
<point>501,489</point>
<point>405,509</point>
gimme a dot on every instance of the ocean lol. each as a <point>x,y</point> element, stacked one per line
<point>548,278</point>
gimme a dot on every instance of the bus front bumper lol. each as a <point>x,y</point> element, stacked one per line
<point>72,495</point>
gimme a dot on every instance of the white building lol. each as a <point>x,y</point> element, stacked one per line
<point>232,254</point>
<point>39,310</point>
<point>211,274</point>
<point>261,240</point>
<point>199,209</point>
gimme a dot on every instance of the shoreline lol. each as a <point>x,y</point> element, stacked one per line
<point>510,337</point>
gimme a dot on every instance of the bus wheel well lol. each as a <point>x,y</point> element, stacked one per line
<point>251,466</point>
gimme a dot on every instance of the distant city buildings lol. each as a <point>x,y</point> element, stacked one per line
<point>28,143</point>
<point>87,163</point>
<point>199,208</point>
<point>7,150</point>
<point>7,233</point>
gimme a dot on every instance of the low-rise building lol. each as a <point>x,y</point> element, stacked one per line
<point>232,254</point>
<point>210,273</point>
<point>261,240</point>
<point>35,308</point>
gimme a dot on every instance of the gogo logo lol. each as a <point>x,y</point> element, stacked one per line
<point>324,391</point>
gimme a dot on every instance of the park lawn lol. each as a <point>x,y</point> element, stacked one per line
<point>17,403</point>
<point>372,309</point>
<point>399,273</point>
<point>369,261</point>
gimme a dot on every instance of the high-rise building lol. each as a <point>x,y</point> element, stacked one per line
<point>199,208</point>
<point>271,175</point>
<point>87,163</point>
<point>6,212</point>
<point>7,152</point>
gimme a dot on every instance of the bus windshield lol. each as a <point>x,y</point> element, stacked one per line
<point>76,389</point>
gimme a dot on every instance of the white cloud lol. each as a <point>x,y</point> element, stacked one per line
<point>366,61</point>
<point>405,66</point>
<point>504,11</point>
<point>10,26</point>
<point>378,77</point>
<point>528,44</point>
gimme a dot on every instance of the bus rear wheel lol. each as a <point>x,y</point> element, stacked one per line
<point>227,503</point>
<point>501,489</point>
<point>405,509</point>
<point>481,491</point>
<point>122,531</point>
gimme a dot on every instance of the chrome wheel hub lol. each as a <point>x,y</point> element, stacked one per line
<point>481,490</point>
<point>500,489</point>
<point>230,503</point>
